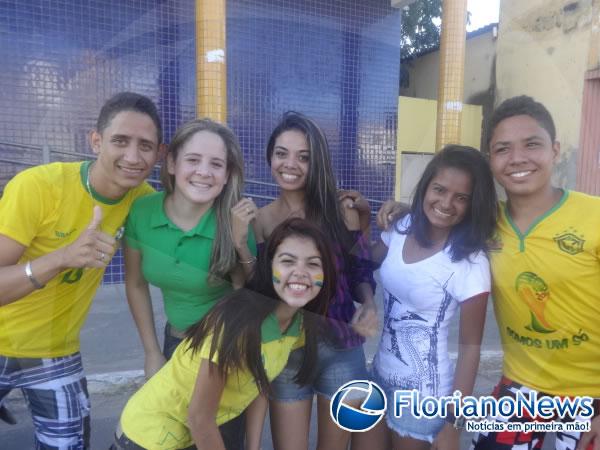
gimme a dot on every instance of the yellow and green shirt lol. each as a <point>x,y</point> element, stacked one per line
<point>156,416</point>
<point>546,291</point>
<point>45,208</point>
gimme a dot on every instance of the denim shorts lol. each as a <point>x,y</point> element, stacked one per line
<point>334,368</point>
<point>421,428</point>
<point>170,342</point>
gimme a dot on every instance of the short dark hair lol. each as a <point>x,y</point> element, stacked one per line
<point>478,225</point>
<point>522,105</point>
<point>128,101</point>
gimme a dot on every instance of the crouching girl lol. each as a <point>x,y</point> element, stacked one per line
<point>233,353</point>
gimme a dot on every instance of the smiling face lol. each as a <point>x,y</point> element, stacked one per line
<point>127,150</point>
<point>447,199</point>
<point>297,271</point>
<point>290,160</point>
<point>522,156</point>
<point>200,168</point>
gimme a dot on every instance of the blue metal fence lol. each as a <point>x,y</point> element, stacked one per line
<point>334,60</point>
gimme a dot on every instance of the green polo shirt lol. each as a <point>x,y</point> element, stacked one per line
<point>175,261</point>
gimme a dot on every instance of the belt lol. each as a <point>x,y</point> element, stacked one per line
<point>122,442</point>
<point>174,332</point>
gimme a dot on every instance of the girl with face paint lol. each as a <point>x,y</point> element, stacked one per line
<point>234,352</point>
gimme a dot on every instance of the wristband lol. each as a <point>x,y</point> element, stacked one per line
<point>29,273</point>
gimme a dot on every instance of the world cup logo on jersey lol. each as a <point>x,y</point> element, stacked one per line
<point>534,291</point>
<point>358,405</point>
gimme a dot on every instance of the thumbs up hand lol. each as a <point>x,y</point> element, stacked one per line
<point>96,219</point>
<point>93,247</point>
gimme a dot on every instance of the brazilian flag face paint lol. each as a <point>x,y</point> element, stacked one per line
<point>319,280</point>
<point>276,277</point>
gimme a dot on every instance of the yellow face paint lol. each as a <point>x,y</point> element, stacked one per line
<point>276,277</point>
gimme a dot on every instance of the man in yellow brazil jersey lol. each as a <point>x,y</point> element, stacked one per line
<point>58,228</point>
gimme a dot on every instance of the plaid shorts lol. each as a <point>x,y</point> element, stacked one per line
<point>510,440</point>
<point>56,391</point>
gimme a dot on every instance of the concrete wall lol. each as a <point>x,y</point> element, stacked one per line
<point>542,51</point>
<point>479,67</point>
<point>416,139</point>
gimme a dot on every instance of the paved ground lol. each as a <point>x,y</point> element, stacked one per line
<point>113,360</point>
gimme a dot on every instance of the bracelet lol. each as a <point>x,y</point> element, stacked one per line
<point>29,273</point>
<point>252,260</point>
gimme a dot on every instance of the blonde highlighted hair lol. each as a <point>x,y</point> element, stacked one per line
<point>224,256</point>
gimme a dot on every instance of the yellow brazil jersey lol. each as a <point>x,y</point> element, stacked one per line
<point>156,416</point>
<point>45,208</point>
<point>546,291</point>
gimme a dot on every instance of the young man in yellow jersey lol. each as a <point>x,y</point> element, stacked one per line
<point>59,225</point>
<point>546,274</point>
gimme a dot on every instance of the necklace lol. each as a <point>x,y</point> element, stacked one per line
<point>87,180</point>
<point>88,187</point>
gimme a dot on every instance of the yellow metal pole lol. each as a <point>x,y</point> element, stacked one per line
<point>211,67</point>
<point>452,72</point>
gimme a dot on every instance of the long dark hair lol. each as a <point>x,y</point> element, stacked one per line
<point>321,202</point>
<point>477,227</point>
<point>234,323</point>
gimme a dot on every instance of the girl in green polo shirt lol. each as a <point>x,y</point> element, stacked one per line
<point>182,240</point>
<point>238,348</point>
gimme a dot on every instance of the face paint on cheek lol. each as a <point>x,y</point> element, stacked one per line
<point>276,277</point>
<point>319,280</point>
